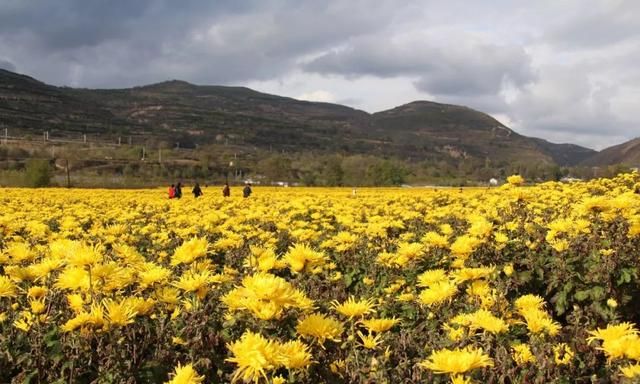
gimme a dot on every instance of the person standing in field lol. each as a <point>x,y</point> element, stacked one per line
<point>226,191</point>
<point>172,191</point>
<point>178,193</point>
<point>246,191</point>
<point>197,192</point>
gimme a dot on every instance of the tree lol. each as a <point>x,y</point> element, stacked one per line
<point>37,173</point>
<point>333,173</point>
<point>355,169</point>
<point>388,172</point>
<point>275,168</point>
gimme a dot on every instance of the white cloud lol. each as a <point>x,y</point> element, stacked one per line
<point>319,95</point>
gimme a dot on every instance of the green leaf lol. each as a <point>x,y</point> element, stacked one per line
<point>561,302</point>
<point>348,279</point>
<point>597,293</point>
<point>626,276</point>
<point>581,295</point>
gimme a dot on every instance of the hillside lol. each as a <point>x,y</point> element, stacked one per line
<point>463,132</point>
<point>565,154</point>
<point>177,112</point>
<point>30,106</point>
<point>200,114</point>
<point>627,153</point>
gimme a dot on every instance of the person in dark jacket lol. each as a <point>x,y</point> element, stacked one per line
<point>178,191</point>
<point>246,191</point>
<point>197,192</point>
<point>226,191</point>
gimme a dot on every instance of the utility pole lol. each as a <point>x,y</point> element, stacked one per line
<point>143,153</point>
<point>68,176</point>
<point>227,175</point>
<point>6,135</point>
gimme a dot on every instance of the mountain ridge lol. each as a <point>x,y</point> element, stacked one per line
<point>176,110</point>
<point>627,153</point>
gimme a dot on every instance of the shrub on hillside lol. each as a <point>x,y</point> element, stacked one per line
<point>37,173</point>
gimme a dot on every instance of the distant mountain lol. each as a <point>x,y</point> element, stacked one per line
<point>177,111</point>
<point>199,114</point>
<point>627,153</point>
<point>28,105</point>
<point>462,131</point>
<point>565,154</point>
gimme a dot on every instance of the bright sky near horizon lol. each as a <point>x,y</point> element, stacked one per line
<point>565,71</point>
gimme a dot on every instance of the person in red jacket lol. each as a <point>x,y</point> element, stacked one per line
<point>172,191</point>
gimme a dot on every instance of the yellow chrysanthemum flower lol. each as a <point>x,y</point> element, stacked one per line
<point>37,306</point>
<point>538,322</point>
<point>189,251</point>
<point>266,296</point>
<point>631,371</point>
<point>354,308</point>
<point>457,361</point>
<point>515,180</point>
<point>618,340</point>
<point>562,354</point>
<point>82,255</point>
<point>522,355</point>
<point>254,355</point>
<point>320,327</point>
<point>465,274</point>
<point>294,355</point>
<point>438,293</point>
<point>192,281</point>
<point>7,287</point>
<point>25,321</point>
<point>481,319</point>
<point>369,341</point>
<point>460,379</point>
<point>152,274</point>
<point>527,302</point>
<point>379,325</point>
<point>37,292</point>
<point>301,257</point>
<point>118,314</point>
<point>185,375</point>
<point>432,276</point>
<point>434,239</point>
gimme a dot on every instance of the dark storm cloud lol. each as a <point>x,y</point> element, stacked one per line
<point>464,69</point>
<point>68,24</point>
<point>123,43</point>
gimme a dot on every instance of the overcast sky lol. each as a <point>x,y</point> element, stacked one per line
<point>563,70</point>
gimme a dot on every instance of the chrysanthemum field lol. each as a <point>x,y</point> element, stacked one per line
<point>516,284</point>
